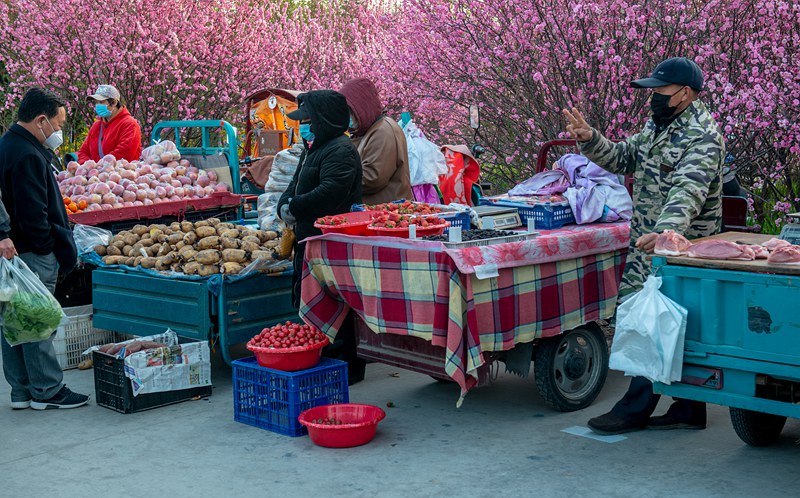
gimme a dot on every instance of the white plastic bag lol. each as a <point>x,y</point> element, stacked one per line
<point>425,159</point>
<point>31,313</point>
<point>162,152</point>
<point>88,237</point>
<point>649,336</point>
<point>283,168</point>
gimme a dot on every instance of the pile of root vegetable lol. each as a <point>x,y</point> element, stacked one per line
<point>202,248</point>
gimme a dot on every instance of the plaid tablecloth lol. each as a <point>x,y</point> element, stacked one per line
<point>415,289</point>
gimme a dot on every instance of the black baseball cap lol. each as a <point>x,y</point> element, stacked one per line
<point>677,70</point>
<point>301,113</point>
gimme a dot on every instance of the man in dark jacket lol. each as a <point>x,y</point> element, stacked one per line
<point>7,249</point>
<point>327,182</point>
<point>40,232</point>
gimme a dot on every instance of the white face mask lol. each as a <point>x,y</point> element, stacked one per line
<point>55,140</point>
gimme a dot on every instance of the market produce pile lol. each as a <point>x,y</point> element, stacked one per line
<point>406,207</point>
<point>111,183</point>
<point>287,335</point>
<point>775,251</point>
<point>202,248</point>
<point>395,220</point>
<point>130,347</point>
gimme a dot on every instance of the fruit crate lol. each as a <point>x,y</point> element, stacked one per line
<point>490,241</point>
<point>77,335</point>
<point>546,216</point>
<point>273,399</point>
<point>458,219</point>
<point>113,389</point>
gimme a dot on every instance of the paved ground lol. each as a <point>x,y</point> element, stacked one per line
<point>504,441</point>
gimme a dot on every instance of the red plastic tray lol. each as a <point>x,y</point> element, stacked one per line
<point>357,223</point>
<point>174,208</point>
<point>403,232</point>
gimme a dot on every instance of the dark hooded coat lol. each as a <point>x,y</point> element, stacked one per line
<point>328,179</point>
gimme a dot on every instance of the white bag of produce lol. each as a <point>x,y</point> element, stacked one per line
<point>649,335</point>
<point>172,368</point>
<point>88,237</point>
<point>283,168</point>
<point>161,153</point>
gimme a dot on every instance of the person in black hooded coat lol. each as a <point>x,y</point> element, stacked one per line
<point>327,182</point>
<point>328,178</point>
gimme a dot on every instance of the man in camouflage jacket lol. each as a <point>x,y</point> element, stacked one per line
<point>676,162</point>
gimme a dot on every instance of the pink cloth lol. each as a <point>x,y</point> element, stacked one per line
<point>572,241</point>
<point>425,193</point>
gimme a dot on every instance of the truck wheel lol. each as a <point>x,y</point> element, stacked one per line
<point>571,368</point>
<point>757,428</point>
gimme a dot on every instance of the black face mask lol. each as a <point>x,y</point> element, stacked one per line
<point>659,106</point>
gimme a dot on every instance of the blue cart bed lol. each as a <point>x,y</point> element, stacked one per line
<point>224,312</point>
<point>742,346</point>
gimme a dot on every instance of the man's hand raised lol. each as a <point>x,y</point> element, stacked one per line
<point>578,128</point>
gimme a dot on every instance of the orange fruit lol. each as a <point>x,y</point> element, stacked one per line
<point>67,201</point>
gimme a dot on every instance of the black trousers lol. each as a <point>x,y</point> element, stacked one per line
<point>344,346</point>
<point>639,403</point>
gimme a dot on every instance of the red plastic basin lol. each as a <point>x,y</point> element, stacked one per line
<point>356,223</point>
<point>359,423</point>
<point>289,359</point>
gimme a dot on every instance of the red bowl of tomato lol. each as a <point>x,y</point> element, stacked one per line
<point>342,426</point>
<point>396,225</point>
<point>354,223</point>
<point>288,347</point>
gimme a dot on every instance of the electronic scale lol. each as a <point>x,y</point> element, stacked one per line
<point>502,216</point>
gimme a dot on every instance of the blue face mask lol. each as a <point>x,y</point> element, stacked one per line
<point>306,133</point>
<point>102,110</point>
<point>352,125</point>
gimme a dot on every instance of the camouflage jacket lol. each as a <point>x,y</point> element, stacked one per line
<point>677,178</point>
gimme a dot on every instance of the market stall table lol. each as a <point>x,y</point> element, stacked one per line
<point>470,301</point>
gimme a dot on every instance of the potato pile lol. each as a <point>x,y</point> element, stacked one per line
<point>202,248</point>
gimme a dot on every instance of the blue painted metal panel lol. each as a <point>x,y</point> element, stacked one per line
<point>744,324</point>
<point>143,305</point>
<point>247,306</point>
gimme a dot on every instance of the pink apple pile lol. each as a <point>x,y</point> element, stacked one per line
<point>112,183</point>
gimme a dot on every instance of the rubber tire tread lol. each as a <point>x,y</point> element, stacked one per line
<point>757,428</point>
<point>542,367</point>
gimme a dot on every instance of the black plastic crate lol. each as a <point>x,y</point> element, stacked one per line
<point>113,389</point>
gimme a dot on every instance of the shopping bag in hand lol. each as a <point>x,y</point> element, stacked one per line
<point>30,313</point>
<point>648,340</point>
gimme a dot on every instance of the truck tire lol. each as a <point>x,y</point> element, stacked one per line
<point>571,368</point>
<point>757,428</point>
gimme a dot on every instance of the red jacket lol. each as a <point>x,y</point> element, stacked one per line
<point>122,138</point>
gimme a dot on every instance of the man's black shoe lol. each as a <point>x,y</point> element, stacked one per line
<point>609,425</point>
<point>63,399</point>
<point>669,422</point>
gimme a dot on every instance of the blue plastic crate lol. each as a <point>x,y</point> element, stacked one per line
<point>545,216</point>
<point>273,399</point>
<point>457,219</point>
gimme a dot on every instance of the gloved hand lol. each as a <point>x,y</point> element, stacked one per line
<point>287,215</point>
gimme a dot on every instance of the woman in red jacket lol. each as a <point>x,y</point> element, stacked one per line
<point>115,132</point>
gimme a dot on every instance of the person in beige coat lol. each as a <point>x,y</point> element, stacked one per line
<point>380,142</point>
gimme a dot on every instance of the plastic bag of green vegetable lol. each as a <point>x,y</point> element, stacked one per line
<point>31,313</point>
